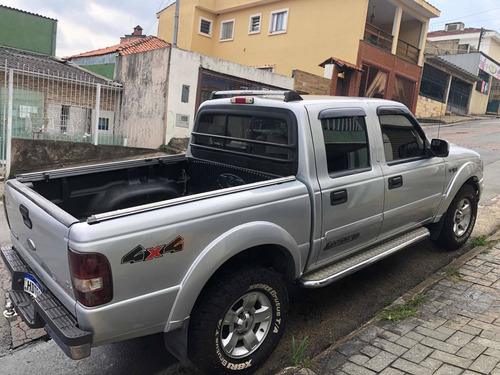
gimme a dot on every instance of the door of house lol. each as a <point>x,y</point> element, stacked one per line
<point>458,100</point>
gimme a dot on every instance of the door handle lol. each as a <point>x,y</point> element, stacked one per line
<point>395,182</point>
<point>338,197</point>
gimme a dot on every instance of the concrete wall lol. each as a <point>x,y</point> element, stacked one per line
<point>145,80</point>
<point>468,62</point>
<point>30,155</point>
<point>429,108</point>
<point>27,31</point>
<point>478,102</point>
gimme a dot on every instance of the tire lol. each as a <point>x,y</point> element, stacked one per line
<point>460,219</point>
<point>226,311</point>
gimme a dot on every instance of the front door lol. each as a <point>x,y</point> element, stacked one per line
<point>352,188</point>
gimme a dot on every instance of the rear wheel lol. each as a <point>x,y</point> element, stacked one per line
<point>460,219</point>
<point>238,321</point>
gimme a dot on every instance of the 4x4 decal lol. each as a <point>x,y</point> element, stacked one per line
<point>141,254</point>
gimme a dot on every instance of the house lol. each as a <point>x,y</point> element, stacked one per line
<point>160,103</point>
<point>102,61</point>
<point>476,50</point>
<point>385,39</point>
<point>27,31</point>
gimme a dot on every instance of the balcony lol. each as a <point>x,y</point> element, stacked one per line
<point>383,40</point>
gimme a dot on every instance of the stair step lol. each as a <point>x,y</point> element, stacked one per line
<point>336,271</point>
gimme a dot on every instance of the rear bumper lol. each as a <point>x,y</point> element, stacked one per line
<point>46,310</point>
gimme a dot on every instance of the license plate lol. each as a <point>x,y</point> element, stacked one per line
<point>32,286</point>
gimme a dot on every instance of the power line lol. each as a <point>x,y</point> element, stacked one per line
<point>467,16</point>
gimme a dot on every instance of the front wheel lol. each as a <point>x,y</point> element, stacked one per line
<point>460,219</point>
<point>238,321</point>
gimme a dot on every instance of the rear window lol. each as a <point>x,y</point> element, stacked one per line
<point>253,138</point>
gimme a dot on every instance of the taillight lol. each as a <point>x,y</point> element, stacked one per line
<point>91,276</point>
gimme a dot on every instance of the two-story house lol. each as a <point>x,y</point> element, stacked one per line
<point>381,41</point>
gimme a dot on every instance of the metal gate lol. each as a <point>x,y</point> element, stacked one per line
<point>458,100</point>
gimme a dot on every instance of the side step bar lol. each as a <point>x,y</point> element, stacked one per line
<point>338,270</point>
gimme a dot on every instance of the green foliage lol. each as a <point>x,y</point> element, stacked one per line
<point>298,352</point>
<point>480,241</point>
<point>454,272</point>
<point>401,312</point>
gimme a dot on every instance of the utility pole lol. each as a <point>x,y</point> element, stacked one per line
<point>480,39</point>
<point>176,22</point>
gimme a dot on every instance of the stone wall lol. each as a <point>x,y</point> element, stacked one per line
<point>429,108</point>
<point>30,155</point>
<point>310,83</point>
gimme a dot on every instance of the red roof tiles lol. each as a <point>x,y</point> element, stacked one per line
<point>467,30</point>
<point>340,63</point>
<point>148,43</point>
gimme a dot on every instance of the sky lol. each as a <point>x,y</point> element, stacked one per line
<point>85,25</point>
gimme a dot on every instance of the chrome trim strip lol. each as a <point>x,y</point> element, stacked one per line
<point>330,279</point>
<point>191,198</point>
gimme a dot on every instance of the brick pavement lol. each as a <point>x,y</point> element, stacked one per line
<point>455,331</point>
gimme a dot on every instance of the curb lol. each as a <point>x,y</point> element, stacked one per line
<point>420,288</point>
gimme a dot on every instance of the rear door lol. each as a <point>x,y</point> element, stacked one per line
<point>352,187</point>
<point>413,180</point>
<point>39,232</point>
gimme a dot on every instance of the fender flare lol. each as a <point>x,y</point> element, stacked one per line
<point>218,252</point>
<point>466,172</point>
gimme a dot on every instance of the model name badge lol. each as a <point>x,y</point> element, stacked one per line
<point>141,254</point>
<point>341,241</point>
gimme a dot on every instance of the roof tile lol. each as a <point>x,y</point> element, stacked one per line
<point>467,30</point>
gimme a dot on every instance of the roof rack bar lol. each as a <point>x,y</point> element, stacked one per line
<point>290,96</point>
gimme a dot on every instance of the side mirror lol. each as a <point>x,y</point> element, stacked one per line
<point>440,148</point>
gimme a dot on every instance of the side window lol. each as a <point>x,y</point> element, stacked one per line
<point>401,139</point>
<point>346,143</point>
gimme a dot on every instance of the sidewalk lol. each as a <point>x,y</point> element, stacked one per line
<point>455,331</point>
<point>453,119</point>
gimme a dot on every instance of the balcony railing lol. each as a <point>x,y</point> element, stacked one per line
<point>407,51</point>
<point>378,37</point>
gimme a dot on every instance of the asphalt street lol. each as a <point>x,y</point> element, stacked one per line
<point>323,315</point>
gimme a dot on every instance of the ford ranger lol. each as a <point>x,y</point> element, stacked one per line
<point>273,188</point>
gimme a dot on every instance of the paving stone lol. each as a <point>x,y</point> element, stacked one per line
<point>331,360</point>
<point>487,343</point>
<point>471,351</point>
<point>431,363</point>
<point>406,342</point>
<point>432,333</point>
<point>445,330</point>
<point>391,371</point>
<point>451,359</point>
<point>449,370</point>
<point>370,334</point>
<point>460,338</point>
<point>389,336</point>
<point>484,364</point>
<point>380,361</point>
<point>418,353</point>
<point>436,344</point>
<point>359,359</point>
<point>468,372</point>
<point>492,352</point>
<point>401,328</point>
<point>353,369</point>
<point>411,367</point>
<point>370,350</point>
<point>415,336</point>
<point>350,347</point>
<point>471,330</point>
<point>389,346</point>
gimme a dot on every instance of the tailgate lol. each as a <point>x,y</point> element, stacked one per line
<point>39,231</point>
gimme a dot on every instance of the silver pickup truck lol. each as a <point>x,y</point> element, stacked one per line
<point>199,246</point>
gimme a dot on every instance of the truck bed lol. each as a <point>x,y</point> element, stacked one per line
<point>87,191</point>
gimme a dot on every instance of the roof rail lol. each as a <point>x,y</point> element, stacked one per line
<point>290,96</point>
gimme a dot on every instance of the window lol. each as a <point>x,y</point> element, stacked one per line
<point>103,123</point>
<point>401,138</point>
<point>278,21</point>
<point>26,111</point>
<point>185,94</point>
<point>255,21</point>
<point>434,83</point>
<point>205,27</point>
<point>227,30</point>
<point>346,144</point>
<point>64,119</point>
